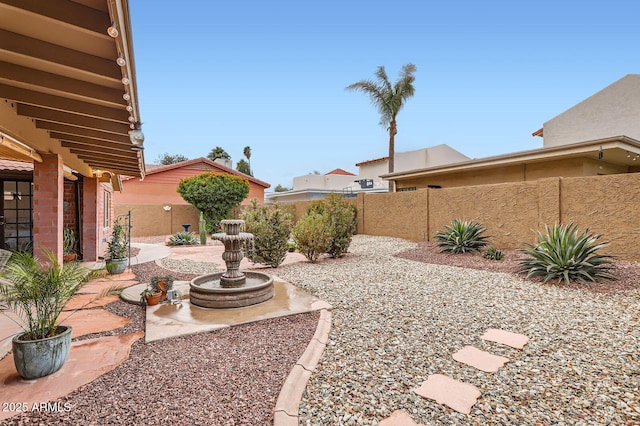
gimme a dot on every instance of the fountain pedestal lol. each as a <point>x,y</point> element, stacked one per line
<point>233,288</point>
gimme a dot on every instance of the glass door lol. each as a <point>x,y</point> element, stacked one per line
<point>16,220</point>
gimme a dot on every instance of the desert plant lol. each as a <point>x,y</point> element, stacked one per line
<point>461,237</point>
<point>214,194</point>
<point>564,253</point>
<point>493,253</point>
<point>312,235</point>
<point>183,238</point>
<point>37,292</point>
<point>341,217</point>
<point>271,228</point>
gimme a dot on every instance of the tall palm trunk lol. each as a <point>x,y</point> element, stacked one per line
<point>393,130</point>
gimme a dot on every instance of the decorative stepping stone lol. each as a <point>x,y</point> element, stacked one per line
<point>450,392</point>
<point>514,340</point>
<point>398,418</point>
<point>481,360</point>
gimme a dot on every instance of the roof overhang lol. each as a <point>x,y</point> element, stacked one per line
<point>64,92</point>
<point>616,150</point>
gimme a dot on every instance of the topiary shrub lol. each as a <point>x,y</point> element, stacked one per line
<point>183,238</point>
<point>214,194</point>
<point>341,217</point>
<point>493,253</point>
<point>271,228</point>
<point>563,253</point>
<point>461,237</point>
<point>312,235</point>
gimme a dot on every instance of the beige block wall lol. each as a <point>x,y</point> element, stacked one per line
<point>607,205</point>
<point>398,214</point>
<point>151,220</point>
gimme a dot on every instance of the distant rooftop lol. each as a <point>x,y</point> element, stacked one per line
<point>340,172</point>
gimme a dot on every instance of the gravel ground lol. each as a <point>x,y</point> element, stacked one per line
<point>228,377</point>
<point>396,321</point>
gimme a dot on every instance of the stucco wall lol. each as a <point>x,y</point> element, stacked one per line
<point>153,219</point>
<point>607,205</point>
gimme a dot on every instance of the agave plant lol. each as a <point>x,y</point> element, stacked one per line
<point>183,238</point>
<point>565,254</point>
<point>461,237</point>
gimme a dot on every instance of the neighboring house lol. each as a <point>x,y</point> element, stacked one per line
<point>598,136</point>
<point>368,180</point>
<point>155,204</point>
<point>66,113</point>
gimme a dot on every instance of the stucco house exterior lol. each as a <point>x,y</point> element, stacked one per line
<point>156,206</point>
<point>69,117</point>
<point>368,180</point>
<point>598,136</point>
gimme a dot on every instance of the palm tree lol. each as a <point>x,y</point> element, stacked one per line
<point>247,153</point>
<point>218,152</point>
<point>388,99</point>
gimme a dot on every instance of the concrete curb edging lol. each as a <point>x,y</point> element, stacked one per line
<point>286,410</point>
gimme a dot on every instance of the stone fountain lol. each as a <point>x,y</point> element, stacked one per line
<point>233,288</point>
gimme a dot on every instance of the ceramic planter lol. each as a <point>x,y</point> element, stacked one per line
<point>39,358</point>
<point>116,266</point>
<point>154,299</point>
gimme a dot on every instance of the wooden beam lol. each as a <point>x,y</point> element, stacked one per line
<point>30,76</point>
<point>49,52</point>
<point>81,131</point>
<point>60,103</point>
<point>95,143</point>
<point>73,119</point>
<point>87,149</point>
<point>69,12</point>
<point>120,168</point>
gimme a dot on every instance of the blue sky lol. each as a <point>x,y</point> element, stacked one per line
<point>271,74</point>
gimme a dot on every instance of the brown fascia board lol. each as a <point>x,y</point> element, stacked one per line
<point>212,164</point>
<point>516,157</point>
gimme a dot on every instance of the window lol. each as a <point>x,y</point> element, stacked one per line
<point>106,206</point>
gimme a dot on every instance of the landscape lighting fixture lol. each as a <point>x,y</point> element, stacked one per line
<point>137,137</point>
<point>120,61</point>
<point>113,30</point>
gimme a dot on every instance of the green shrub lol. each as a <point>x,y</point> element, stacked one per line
<point>183,238</point>
<point>271,227</point>
<point>341,217</point>
<point>214,194</point>
<point>312,235</point>
<point>461,237</point>
<point>567,255</point>
<point>493,253</point>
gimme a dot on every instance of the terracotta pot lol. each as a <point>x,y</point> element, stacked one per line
<point>69,257</point>
<point>154,299</point>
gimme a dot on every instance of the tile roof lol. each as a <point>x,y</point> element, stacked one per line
<point>17,166</point>
<point>339,172</point>
<point>375,160</point>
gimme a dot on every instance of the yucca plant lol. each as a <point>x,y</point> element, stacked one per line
<point>183,238</point>
<point>461,237</point>
<point>567,255</point>
<point>493,253</point>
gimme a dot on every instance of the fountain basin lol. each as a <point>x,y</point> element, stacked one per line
<point>205,291</point>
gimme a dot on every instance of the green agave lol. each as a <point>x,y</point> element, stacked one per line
<point>565,254</point>
<point>461,237</point>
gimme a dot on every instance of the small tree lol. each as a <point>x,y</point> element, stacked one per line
<point>341,220</point>
<point>280,188</point>
<point>166,159</point>
<point>243,167</point>
<point>271,227</point>
<point>214,194</point>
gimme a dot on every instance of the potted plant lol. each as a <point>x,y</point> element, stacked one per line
<point>164,283</point>
<point>69,244</point>
<point>151,295</point>
<point>117,249</point>
<point>36,292</point>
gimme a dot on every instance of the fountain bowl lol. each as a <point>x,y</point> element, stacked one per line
<point>205,291</point>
